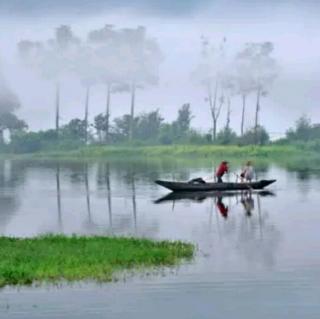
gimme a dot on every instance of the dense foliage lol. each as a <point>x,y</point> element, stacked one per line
<point>149,129</point>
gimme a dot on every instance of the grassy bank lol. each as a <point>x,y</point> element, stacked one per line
<point>53,258</point>
<point>194,151</point>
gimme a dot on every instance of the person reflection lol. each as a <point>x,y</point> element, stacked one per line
<point>248,203</point>
<point>222,208</point>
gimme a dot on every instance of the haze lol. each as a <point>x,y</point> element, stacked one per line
<point>292,26</point>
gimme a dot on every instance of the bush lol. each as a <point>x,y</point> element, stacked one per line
<point>226,137</point>
<point>42,141</point>
<point>195,137</point>
<point>26,143</point>
<point>258,137</point>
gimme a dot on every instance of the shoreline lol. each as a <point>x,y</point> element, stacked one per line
<point>171,151</point>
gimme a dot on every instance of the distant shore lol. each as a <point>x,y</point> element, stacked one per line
<point>174,151</point>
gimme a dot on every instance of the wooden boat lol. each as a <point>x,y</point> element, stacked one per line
<point>196,187</point>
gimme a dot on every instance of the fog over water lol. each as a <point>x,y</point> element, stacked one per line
<point>292,26</point>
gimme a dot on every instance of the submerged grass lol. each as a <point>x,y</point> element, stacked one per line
<point>52,258</point>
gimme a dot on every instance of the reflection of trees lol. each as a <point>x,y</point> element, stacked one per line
<point>109,195</point>
<point>86,182</point>
<point>261,169</point>
<point>133,197</point>
<point>252,234</point>
<point>58,196</point>
<point>257,238</point>
<point>103,180</point>
<point>304,175</point>
<point>90,225</point>
<point>12,175</point>
<point>78,172</point>
<point>257,249</point>
<point>124,177</point>
<point>147,171</point>
<point>304,168</point>
<point>130,180</point>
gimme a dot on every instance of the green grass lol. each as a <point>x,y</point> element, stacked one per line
<point>192,151</point>
<point>53,258</point>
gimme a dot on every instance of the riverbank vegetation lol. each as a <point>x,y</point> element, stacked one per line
<point>184,141</point>
<point>55,258</point>
<point>174,151</point>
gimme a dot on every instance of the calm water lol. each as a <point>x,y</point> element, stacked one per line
<point>258,256</point>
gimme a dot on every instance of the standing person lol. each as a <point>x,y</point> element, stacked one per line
<point>247,173</point>
<point>222,169</point>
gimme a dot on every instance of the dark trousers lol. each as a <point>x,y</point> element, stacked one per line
<point>219,179</point>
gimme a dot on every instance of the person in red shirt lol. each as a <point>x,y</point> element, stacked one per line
<point>222,169</point>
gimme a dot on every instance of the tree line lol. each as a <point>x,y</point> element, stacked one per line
<point>123,60</point>
<point>126,60</point>
<point>149,129</point>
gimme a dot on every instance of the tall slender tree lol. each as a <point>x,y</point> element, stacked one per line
<point>244,82</point>
<point>141,67</point>
<point>263,69</point>
<point>209,72</point>
<point>105,42</point>
<point>52,59</point>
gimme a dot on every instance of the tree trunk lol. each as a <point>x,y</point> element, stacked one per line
<point>108,111</point>
<point>256,122</point>
<point>213,108</point>
<point>214,128</point>
<point>228,113</point>
<point>57,108</point>
<point>86,114</point>
<point>133,96</point>
<point>243,113</point>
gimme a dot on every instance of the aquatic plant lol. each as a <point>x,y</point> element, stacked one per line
<point>53,258</point>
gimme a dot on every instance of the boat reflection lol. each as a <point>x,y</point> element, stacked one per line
<point>202,196</point>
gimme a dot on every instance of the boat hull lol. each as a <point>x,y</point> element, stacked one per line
<point>189,187</point>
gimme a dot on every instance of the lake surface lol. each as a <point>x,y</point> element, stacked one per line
<point>258,256</point>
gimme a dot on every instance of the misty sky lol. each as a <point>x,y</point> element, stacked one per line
<point>293,26</point>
